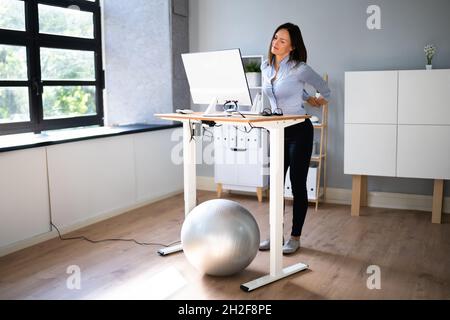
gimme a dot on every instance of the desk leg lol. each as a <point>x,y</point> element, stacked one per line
<point>190,183</point>
<point>438,197</point>
<point>276,200</point>
<point>276,216</point>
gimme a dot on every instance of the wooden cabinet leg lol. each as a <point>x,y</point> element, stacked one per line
<point>364,191</point>
<point>438,197</point>
<point>259,193</point>
<point>356,194</point>
<point>219,190</point>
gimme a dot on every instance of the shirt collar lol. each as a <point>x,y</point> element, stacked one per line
<point>284,61</point>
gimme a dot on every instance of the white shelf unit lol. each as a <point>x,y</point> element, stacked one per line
<point>241,158</point>
<point>254,90</point>
<point>318,165</point>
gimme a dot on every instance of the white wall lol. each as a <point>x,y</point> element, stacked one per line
<point>88,181</point>
<point>138,60</point>
<point>337,40</point>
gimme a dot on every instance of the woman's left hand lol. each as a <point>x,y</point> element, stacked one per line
<point>316,102</point>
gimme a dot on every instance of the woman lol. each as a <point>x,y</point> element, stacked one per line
<point>284,75</point>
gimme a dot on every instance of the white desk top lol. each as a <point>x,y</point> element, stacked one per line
<point>197,116</point>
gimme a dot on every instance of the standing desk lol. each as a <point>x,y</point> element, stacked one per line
<point>275,125</point>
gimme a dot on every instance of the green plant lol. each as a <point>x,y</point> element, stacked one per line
<point>430,51</point>
<point>252,67</point>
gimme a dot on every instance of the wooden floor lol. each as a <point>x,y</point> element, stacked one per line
<point>413,256</point>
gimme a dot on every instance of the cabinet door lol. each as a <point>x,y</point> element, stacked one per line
<point>250,159</point>
<point>424,97</point>
<point>88,178</point>
<point>224,158</point>
<point>370,149</point>
<point>423,152</point>
<point>24,207</point>
<point>251,172</point>
<point>371,97</point>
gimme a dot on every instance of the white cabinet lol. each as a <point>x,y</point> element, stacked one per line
<point>370,123</point>
<point>241,159</point>
<point>370,149</point>
<point>423,152</point>
<point>24,205</point>
<point>424,124</point>
<point>375,144</point>
<point>80,182</point>
<point>371,97</point>
<point>424,97</point>
<point>397,123</point>
<point>101,178</point>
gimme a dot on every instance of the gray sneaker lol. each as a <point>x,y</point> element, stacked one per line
<point>291,246</point>
<point>265,245</point>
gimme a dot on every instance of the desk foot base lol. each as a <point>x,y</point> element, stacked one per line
<point>168,250</point>
<point>255,284</point>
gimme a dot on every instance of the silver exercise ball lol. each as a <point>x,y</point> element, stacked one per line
<point>220,237</point>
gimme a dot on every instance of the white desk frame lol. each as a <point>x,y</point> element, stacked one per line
<point>275,125</point>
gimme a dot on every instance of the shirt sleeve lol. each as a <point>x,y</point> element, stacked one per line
<point>308,75</point>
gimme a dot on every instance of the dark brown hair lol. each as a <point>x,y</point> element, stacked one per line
<point>298,54</point>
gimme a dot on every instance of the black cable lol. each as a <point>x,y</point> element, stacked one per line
<point>191,131</point>
<point>113,239</point>
<point>250,124</point>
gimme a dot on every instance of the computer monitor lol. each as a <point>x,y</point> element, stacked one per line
<point>217,77</point>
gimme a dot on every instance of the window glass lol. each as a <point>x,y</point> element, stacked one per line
<point>12,15</point>
<point>13,62</point>
<point>14,104</point>
<point>68,101</point>
<point>61,64</point>
<point>65,21</point>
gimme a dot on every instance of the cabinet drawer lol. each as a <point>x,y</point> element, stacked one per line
<point>423,152</point>
<point>424,97</point>
<point>371,97</point>
<point>370,149</point>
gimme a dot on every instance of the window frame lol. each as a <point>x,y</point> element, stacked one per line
<point>33,41</point>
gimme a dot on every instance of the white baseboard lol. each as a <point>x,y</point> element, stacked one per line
<point>206,183</point>
<point>375,199</point>
<point>101,217</point>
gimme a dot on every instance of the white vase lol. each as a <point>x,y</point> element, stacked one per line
<point>253,79</point>
<point>429,66</point>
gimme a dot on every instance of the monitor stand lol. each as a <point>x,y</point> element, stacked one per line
<point>211,110</point>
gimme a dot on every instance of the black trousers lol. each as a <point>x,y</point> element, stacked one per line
<point>298,144</point>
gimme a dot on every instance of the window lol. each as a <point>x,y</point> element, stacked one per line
<point>51,73</point>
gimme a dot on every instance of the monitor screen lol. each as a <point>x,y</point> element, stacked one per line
<point>217,75</point>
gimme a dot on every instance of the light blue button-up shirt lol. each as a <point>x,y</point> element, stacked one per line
<point>287,90</point>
